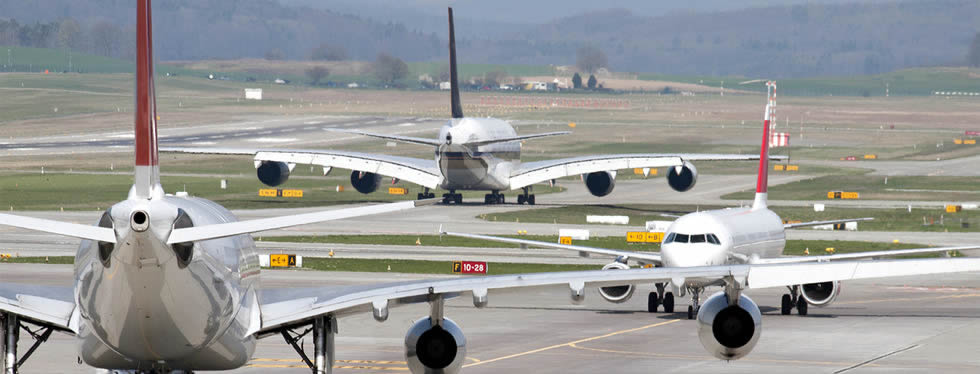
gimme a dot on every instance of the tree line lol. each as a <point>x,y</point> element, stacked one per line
<point>100,38</point>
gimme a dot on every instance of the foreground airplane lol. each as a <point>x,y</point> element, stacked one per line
<point>172,284</point>
<point>750,235</point>
<point>481,154</point>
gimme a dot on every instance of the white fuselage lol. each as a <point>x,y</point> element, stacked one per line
<point>471,167</point>
<point>723,237</point>
<point>141,308</point>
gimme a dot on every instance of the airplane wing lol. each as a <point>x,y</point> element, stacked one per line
<point>539,171</point>
<point>865,255</point>
<point>285,307</point>
<point>405,139</point>
<point>415,170</point>
<point>50,306</point>
<point>830,222</point>
<point>640,256</point>
<point>516,138</point>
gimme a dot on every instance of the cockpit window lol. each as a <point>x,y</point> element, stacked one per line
<point>713,239</point>
<point>681,238</point>
<point>698,238</point>
<point>669,239</point>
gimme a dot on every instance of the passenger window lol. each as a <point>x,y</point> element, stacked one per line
<point>713,239</point>
<point>680,238</point>
<point>669,239</point>
<point>697,238</point>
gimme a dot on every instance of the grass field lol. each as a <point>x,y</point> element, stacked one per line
<point>932,220</point>
<point>52,191</point>
<point>935,188</point>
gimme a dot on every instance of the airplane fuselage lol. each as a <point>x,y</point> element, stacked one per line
<point>146,305</point>
<point>482,168</point>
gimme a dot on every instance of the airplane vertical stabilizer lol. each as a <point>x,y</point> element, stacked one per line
<point>762,184</point>
<point>147,166</point>
<point>457,106</point>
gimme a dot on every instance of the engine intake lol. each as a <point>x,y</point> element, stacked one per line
<point>820,294</point>
<point>617,294</point>
<point>273,173</point>
<point>435,348</point>
<point>729,332</point>
<point>682,178</point>
<point>365,182</point>
<point>600,183</point>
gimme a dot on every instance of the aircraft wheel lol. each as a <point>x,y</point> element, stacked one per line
<point>520,199</point>
<point>801,306</point>
<point>669,302</point>
<point>653,302</point>
<point>690,312</point>
<point>500,199</point>
<point>421,196</point>
<point>787,306</point>
<point>459,198</point>
<point>486,199</point>
<point>530,200</point>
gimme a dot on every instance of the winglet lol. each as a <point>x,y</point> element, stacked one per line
<point>762,184</point>
<point>147,165</point>
<point>456,105</point>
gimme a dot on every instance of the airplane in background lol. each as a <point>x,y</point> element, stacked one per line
<point>481,154</point>
<point>171,283</point>
<point>746,235</point>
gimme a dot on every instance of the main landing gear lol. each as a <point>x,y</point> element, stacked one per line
<point>792,299</point>
<point>526,197</point>
<point>10,326</point>
<point>426,194</point>
<point>324,328</point>
<point>452,198</point>
<point>494,198</point>
<point>656,298</point>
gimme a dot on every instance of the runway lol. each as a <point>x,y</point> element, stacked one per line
<point>912,325</point>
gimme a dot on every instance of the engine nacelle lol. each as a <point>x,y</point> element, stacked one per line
<point>435,349</point>
<point>820,294</point>
<point>682,178</point>
<point>729,332</point>
<point>365,182</point>
<point>272,173</point>
<point>617,294</point>
<point>600,183</point>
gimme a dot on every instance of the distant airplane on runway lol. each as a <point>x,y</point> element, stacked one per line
<point>481,154</point>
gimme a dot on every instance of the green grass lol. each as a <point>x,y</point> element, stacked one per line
<point>57,260</point>
<point>819,247</point>
<point>931,220</point>
<point>934,188</point>
<point>610,242</point>
<point>53,191</point>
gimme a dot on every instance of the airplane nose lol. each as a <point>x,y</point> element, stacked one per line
<point>139,221</point>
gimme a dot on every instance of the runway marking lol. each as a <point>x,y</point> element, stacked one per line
<point>287,363</point>
<point>869,362</point>
<point>569,344</point>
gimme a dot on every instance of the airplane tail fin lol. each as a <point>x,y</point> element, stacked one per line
<point>456,105</point>
<point>762,184</point>
<point>147,166</point>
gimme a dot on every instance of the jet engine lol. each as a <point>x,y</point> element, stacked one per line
<point>273,173</point>
<point>682,178</point>
<point>617,294</point>
<point>820,294</point>
<point>600,183</point>
<point>435,348</point>
<point>365,182</point>
<point>729,332</point>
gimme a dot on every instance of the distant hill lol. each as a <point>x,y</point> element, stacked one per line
<point>797,39</point>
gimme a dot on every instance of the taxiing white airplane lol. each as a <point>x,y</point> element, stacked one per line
<point>172,284</point>
<point>481,154</point>
<point>747,235</point>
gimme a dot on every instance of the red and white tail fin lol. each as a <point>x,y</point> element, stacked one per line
<point>146,184</point>
<point>762,184</point>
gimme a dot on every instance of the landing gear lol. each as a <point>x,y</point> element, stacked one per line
<point>11,325</point>
<point>692,310</point>
<point>653,302</point>
<point>323,329</point>
<point>452,197</point>
<point>426,194</point>
<point>493,198</point>
<point>668,302</point>
<point>792,299</point>
<point>526,197</point>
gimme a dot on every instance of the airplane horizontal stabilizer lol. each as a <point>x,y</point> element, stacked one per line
<point>74,230</point>
<point>399,138</point>
<point>515,138</point>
